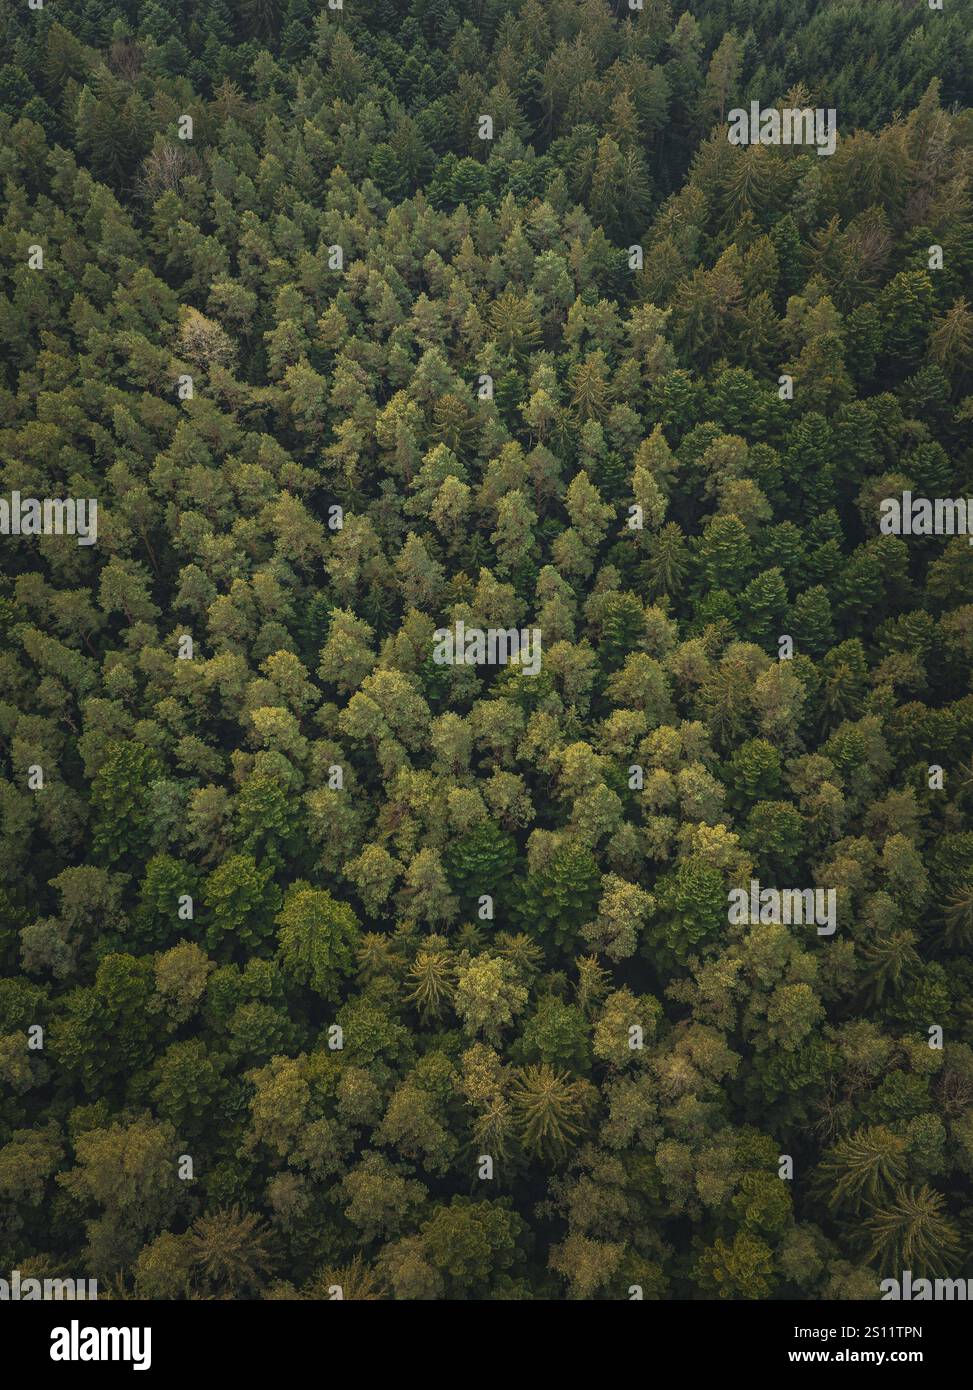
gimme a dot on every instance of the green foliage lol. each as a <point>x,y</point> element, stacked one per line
<point>241,909</point>
<point>239,899</point>
<point>318,938</point>
<point>558,898</point>
<point>479,861</point>
<point>741,1269</point>
<point>691,907</point>
<point>556,1033</point>
<point>910,1231</point>
<point>120,808</point>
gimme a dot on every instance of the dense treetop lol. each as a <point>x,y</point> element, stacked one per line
<point>333,802</point>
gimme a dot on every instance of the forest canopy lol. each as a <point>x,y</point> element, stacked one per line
<point>325,962</point>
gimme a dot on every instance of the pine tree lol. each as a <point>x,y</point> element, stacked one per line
<point>911,1231</point>
<point>862,1168</point>
<point>550,1110</point>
